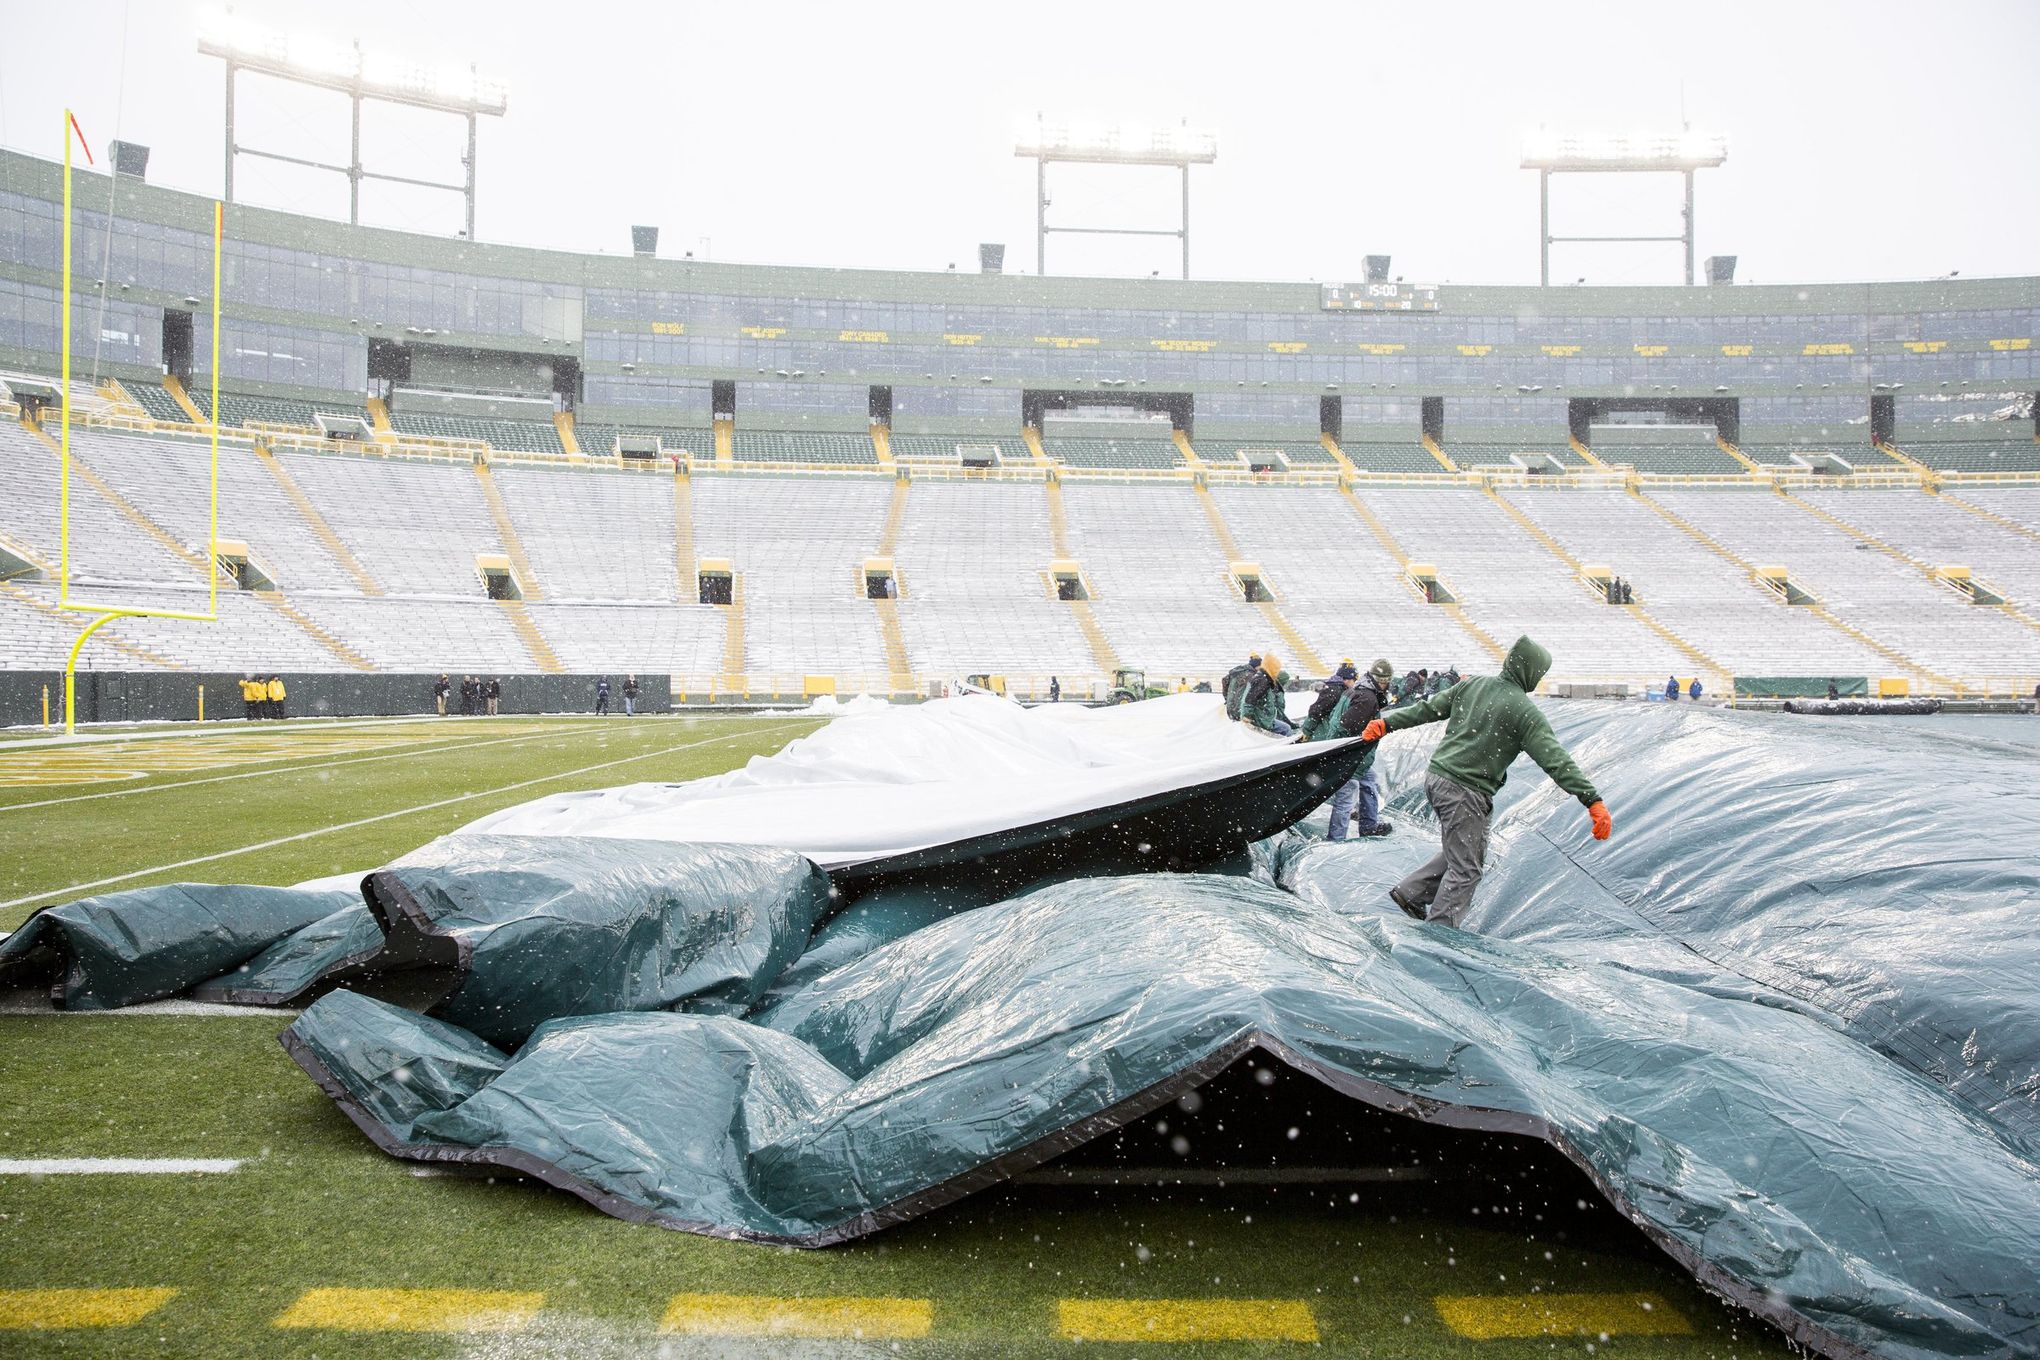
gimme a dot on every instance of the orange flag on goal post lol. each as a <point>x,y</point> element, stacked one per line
<point>84,145</point>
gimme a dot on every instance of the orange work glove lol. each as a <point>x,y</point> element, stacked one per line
<point>1374,731</point>
<point>1604,825</point>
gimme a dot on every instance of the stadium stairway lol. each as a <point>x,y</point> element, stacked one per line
<point>1587,454</point>
<point>340,650</point>
<point>1306,656</point>
<point>733,635</point>
<point>1032,436</point>
<point>689,584</point>
<point>1819,611</point>
<point>725,441</point>
<point>183,398</point>
<point>1388,541</point>
<point>1346,467</point>
<point>881,445</point>
<point>379,416</point>
<point>1190,458</point>
<point>2002,521</point>
<point>1719,676</point>
<point>535,646</point>
<point>1895,453</point>
<point>513,546</point>
<point>1431,447</point>
<point>563,421</point>
<point>1103,654</point>
<point>315,521</point>
<point>107,635</point>
<point>1749,464</point>
<point>1870,540</point>
<point>899,669</point>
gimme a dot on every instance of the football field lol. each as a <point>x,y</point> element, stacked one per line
<point>171,1183</point>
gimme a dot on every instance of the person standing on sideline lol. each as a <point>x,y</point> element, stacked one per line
<point>248,697</point>
<point>602,697</point>
<point>1363,702</point>
<point>1490,721</point>
<point>275,692</point>
<point>440,689</point>
<point>495,694</point>
<point>1835,691</point>
<point>630,696</point>
<point>1054,690</point>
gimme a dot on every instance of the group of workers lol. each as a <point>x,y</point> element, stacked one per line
<point>262,698</point>
<point>1489,721</point>
<point>478,697</point>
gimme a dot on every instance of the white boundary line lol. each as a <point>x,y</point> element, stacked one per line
<point>76,888</point>
<point>421,749</point>
<point>118,1166</point>
<point>214,730</point>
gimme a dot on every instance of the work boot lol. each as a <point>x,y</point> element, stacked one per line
<point>1378,829</point>
<point>1409,908</point>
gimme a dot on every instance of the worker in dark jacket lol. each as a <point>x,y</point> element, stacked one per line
<point>1672,689</point>
<point>1329,694</point>
<point>602,697</point>
<point>1363,702</point>
<point>1235,686</point>
<point>1262,704</point>
<point>440,689</point>
<point>1693,689</point>
<point>1491,722</point>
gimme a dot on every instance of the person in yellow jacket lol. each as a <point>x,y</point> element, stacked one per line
<point>248,697</point>
<point>274,689</point>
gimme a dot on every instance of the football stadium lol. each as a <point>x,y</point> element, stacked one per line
<point>574,802</point>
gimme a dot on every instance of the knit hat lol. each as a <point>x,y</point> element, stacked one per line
<point>1345,672</point>
<point>1382,671</point>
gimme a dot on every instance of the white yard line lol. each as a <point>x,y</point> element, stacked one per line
<point>75,889</point>
<point>1222,1176</point>
<point>36,1001</point>
<point>118,1166</point>
<point>221,727</point>
<point>419,750</point>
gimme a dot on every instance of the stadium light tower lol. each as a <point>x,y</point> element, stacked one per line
<point>1637,153</point>
<point>328,65</point>
<point>1046,142</point>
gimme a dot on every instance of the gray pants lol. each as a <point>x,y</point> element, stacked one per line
<point>1445,886</point>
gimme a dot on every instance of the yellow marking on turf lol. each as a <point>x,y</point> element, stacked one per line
<point>104,762</point>
<point>35,1310</point>
<point>412,1310</point>
<point>1485,1317</point>
<point>775,1315</point>
<point>1182,1320</point>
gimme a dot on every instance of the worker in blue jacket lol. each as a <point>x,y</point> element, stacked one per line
<point>1365,697</point>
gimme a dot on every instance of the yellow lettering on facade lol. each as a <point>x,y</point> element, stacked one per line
<point>1736,351</point>
<point>958,339</point>
<point>2022,342</point>
<point>1474,351</point>
<point>865,337</point>
<point>1652,351</point>
<point>764,332</point>
<point>1836,348</point>
<point>1561,351</point>
<point>1926,346</point>
<point>1288,346</point>
<point>668,328</point>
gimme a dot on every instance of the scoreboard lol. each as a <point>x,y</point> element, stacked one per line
<point>1378,297</point>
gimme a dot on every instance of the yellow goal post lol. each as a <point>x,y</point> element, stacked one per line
<point>107,612</point>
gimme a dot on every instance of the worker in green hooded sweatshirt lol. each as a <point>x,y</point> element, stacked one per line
<point>1489,722</point>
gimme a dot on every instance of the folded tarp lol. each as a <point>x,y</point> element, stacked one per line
<point>1013,792</point>
<point>1798,686</point>
<point>495,934</point>
<point>1817,1184</point>
<point>125,948</point>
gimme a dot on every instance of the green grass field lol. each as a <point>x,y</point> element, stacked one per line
<point>1360,1265</point>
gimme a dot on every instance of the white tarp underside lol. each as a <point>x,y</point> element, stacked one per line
<point>878,783</point>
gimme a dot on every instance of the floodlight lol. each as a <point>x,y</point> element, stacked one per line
<point>315,60</point>
<point>1045,141</point>
<point>1686,150</point>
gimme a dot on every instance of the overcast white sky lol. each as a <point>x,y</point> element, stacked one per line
<point>1867,140</point>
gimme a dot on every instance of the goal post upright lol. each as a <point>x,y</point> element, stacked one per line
<point>107,612</point>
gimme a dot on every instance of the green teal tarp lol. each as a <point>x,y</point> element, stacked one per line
<point>1798,686</point>
<point>1785,1019</point>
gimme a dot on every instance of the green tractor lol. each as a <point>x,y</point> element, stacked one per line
<point>1129,683</point>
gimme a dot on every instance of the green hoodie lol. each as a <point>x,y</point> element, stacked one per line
<point>1492,722</point>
